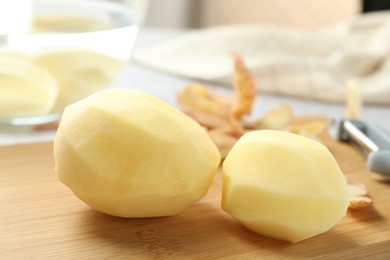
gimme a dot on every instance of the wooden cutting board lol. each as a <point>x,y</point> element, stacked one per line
<point>40,218</point>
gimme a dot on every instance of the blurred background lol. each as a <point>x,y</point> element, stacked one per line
<point>306,14</point>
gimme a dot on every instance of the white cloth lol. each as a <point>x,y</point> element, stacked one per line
<point>313,65</point>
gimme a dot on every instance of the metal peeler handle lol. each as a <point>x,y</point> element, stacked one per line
<point>379,162</point>
<point>373,141</point>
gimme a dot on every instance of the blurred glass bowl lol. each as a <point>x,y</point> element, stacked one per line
<point>55,52</point>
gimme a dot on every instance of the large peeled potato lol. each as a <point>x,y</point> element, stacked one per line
<point>283,185</point>
<point>128,154</point>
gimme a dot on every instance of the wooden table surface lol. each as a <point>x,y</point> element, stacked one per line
<point>40,218</point>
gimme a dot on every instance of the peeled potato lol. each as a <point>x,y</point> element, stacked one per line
<point>9,53</point>
<point>128,154</point>
<point>67,23</point>
<point>283,185</point>
<point>80,72</point>
<point>25,88</point>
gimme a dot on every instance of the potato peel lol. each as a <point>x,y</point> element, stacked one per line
<point>275,119</point>
<point>207,121</point>
<point>358,196</point>
<point>198,98</point>
<point>359,202</point>
<point>244,88</point>
<point>353,101</point>
<point>311,129</point>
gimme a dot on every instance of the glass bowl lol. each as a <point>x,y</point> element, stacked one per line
<point>55,52</point>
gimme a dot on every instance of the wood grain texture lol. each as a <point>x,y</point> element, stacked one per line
<point>40,218</point>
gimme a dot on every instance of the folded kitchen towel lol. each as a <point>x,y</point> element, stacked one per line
<point>306,64</point>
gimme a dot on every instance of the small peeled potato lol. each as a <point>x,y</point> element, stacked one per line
<point>283,185</point>
<point>128,154</point>
<point>25,88</point>
<point>79,72</point>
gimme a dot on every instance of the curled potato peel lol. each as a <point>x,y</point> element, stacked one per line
<point>353,101</point>
<point>275,119</point>
<point>198,98</point>
<point>311,129</point>
<point>358,196</point>
<point>244,88</point>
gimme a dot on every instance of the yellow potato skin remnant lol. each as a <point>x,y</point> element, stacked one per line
<point>128,154</point>
<point>283,185</point>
